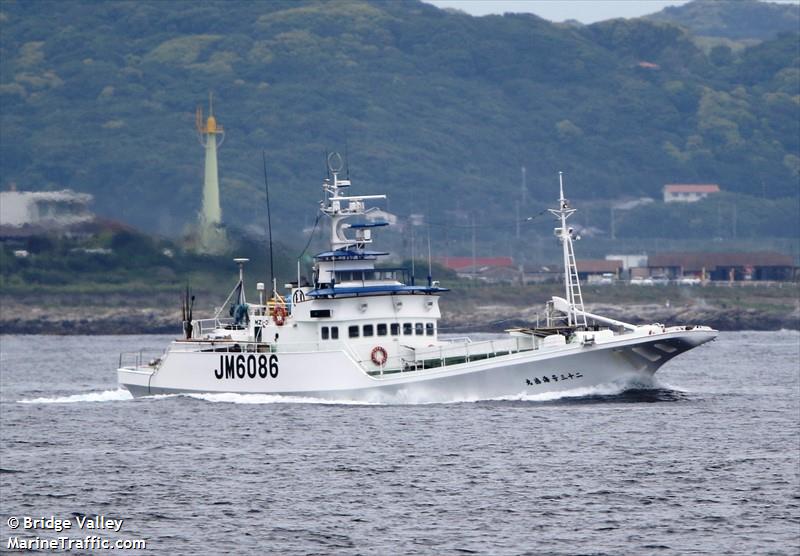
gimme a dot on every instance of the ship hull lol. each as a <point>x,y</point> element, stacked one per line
<point>337,376</point>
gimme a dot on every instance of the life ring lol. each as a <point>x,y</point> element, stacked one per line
<point>379,356</point>
<point>280,315</point>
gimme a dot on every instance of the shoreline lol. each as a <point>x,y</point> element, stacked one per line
<point>90,320</point>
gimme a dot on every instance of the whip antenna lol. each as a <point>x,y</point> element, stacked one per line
<point>430,264</point>
<point>346,161</point>
<point>269,223</point>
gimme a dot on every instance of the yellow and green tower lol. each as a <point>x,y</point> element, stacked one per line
<point>211,236</point>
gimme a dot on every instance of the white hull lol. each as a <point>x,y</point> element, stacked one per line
<point>336,375</point>
<point>361,332</point>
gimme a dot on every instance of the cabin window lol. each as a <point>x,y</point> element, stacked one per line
<point>334,332</point>
<point>394,329</point>
<point>320,313</point>
<point>382,329</point>
<point>368,330</point>
<point>429,329</point>
<point>324,332</point>
<point>352,331</point>
<point>418,329</point>
<point>406,329</point>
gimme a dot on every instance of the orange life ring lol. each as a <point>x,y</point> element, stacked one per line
<point>280,315</point>
<point>379,356</point>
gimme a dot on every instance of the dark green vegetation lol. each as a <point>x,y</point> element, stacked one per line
<point>127,262</point>
<point>733,19</point>
<point>438,109</point>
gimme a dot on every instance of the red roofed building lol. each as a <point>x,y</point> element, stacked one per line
<point>688,193</point>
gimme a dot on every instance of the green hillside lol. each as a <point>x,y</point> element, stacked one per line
<point>438,109</point>
<point>733,19</point>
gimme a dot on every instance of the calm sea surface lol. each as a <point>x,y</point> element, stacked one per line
<point>705,461</point>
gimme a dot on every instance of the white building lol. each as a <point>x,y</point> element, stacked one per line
<point>44,208</point>
<point>688,193</point>
<point>629,261</point>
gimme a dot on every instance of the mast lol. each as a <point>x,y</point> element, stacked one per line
<point>340,207</point>
<point>575,314</point>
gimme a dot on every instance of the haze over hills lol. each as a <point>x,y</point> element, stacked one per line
<point>438,109</point>
<point>733,19</point>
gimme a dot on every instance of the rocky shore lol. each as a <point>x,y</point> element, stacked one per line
<point>716,317</point>
<point>117,315</point>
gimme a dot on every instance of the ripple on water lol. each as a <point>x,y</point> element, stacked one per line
<point>702,460</point>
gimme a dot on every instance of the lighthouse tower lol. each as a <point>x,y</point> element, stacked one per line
<point>211,235</point>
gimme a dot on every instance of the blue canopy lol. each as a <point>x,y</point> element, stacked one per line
<point>367,290</point>
<point>369,225</point>
<point>348,254</point>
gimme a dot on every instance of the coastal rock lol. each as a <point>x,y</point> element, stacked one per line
<point>23,317</point>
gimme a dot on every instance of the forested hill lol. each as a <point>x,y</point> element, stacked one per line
<point>437,108</point>
<point>733,19</point>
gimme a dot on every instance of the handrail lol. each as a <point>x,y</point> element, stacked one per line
<point>457,339</point>
<point>138,358</point>
<point>443,356</point>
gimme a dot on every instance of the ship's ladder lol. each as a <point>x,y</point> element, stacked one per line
<point>576,298</point>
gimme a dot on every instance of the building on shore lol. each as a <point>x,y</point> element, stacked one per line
<point>688,193</point>
<point>731,267</point>
<point>44,210</point>
<point>487,269</point>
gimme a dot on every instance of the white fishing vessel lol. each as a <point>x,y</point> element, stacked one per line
<point>365,333</point>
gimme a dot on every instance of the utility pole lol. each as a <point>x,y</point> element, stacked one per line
<point>524,188</point>
<point>613,224</point>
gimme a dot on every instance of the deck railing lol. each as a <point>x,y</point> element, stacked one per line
<point>203,327</point>
<point>456,353</point>
<point>141,358</point>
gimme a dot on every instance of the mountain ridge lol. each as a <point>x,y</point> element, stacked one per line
<point>436,108</point>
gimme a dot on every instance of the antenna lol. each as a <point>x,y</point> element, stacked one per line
<point>524,187</point>
<point>269,224</point>
<point>346,161</point>
<point>430,265</point>
<point>413,266</point>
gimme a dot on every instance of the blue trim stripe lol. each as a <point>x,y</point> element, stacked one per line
<point>365,290</point>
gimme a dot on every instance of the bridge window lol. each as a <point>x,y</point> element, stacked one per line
<point>418,328</point>
<point>394,329</point>
<point>406,329</point>
<point>324,332</point>
<point>382,330</point>
<point>368,330</point>
<point>429,329</point>
<point>334,332</point>
<point>352,331</point>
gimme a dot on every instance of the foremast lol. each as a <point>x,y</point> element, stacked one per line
<point>575,312</point>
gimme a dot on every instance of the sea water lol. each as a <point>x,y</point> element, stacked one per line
<point>705,460</point>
